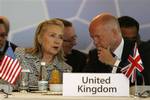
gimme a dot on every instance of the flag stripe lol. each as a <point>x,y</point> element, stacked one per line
<point>129,71</point>
<point>13,72</point>
<point>17,73</point>
<point>12,77</point>
<point>4,65</point>
<point>10,71</point>
<point>10,67</point>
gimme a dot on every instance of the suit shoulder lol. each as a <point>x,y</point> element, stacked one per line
<point>77,52</point>
<point>93,52</point>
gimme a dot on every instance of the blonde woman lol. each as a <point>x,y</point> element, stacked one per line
<point>47,48</point>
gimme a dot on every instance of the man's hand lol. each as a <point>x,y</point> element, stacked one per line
<point>105,56</point>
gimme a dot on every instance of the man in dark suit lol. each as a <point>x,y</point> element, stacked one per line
<point>95,65</point>
<point>4,44</point>
<point>73,57</point>
<point>129,28</point>
<point>112,51</point>
<point>4,30</point>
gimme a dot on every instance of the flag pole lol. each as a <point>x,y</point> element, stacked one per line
<point>135,71</point>
<point>135,91</point>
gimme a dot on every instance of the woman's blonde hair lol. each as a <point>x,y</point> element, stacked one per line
<point>40,29</point>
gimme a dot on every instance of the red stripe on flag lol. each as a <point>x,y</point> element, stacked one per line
<point>134,64</point>
<point>4,65</point>
<point>15,73</point>
<point>15,67</point>
<point>10,69</point>
<point>123,70</point>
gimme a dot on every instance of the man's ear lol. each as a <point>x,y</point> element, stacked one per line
<point>114,31</point>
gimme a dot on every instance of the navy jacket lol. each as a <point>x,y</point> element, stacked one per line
<point>5,48</point>
<point>96,66</point>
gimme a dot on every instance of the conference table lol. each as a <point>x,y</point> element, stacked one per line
<point>41,96</point>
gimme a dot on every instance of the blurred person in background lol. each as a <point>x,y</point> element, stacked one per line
<point>74,57</point>
<point>4,32</point>
<point>130,28</point>
<point>4,43</point>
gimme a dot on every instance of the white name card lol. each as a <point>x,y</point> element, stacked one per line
<point>95,84</point>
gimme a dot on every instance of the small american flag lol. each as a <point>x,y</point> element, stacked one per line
<point>135,64</point>
<point>10,67</point>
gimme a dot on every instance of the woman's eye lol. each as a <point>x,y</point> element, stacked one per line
<point>52,35</point>
<point>60,37</point>
<point>56,36</point>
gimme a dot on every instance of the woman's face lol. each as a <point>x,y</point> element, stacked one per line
<point>51,40</point>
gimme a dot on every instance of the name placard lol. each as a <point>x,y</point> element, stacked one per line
<point>95,84</point>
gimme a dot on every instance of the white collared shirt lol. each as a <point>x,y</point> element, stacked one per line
<point>118,52</point>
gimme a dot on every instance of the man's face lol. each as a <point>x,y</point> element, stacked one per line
<point>3,35</point>
<point>102,37</point>
<point>69,39</point>
<point>129,32</point>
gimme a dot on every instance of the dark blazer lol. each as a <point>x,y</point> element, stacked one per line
<point>77,60</point>
<point>5,48</point>
<point>96,66</point>
<point>144,50</point>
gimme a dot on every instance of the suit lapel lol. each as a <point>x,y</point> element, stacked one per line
<point>127,49</point>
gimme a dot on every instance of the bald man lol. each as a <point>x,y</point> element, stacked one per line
<point>112,50</point>
<point>4,30</point>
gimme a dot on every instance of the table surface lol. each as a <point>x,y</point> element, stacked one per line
<point>40,96</point>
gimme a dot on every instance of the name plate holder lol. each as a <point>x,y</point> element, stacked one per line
<point>95,84</point>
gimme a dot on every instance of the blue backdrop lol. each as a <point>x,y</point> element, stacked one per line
<point>25,15</point>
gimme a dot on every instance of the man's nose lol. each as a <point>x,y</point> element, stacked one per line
<point>73,42</point>
<point>57,40</point>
